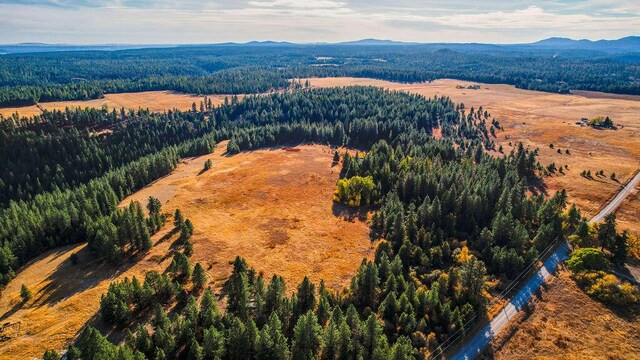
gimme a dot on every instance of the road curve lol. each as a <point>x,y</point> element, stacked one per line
<point>617,200</point>
<point>475,345</point>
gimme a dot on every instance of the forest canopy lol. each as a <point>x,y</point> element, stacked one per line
<point>26,79</point>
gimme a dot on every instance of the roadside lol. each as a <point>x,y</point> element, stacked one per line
<point>475,345</point>
<point>562,319</point>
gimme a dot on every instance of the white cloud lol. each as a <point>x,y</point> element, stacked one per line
<point>196,21</point>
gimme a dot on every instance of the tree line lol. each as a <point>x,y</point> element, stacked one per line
<point>28,78</point>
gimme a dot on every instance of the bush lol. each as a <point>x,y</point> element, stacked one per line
<point>587,259</point>
<point>25,293</point>
<point>355,191</point>
<point>207,165</point>
<point>607,288</point>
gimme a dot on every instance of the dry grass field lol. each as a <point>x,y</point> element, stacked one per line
<point>274,207</point>
<point>538,119</point>
<point>157,101</point>
<point>65,297</point>
<point>628,214</point>
<point>567,321</point>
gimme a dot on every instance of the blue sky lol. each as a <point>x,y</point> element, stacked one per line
<point>196,21</point>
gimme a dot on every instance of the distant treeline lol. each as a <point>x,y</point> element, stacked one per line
<point>29,78</point>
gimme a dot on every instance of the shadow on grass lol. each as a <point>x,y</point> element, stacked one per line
<point>11,311</point>
<point>68,279</point>
<point>349,213</point>
<point>537,186</point>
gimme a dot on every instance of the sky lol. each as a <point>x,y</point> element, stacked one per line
<point>304,21</point>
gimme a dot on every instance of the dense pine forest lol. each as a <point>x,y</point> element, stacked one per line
<point>26,79</point>
<point>448,215</point>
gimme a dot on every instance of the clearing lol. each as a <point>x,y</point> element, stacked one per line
<point>274,207</point>
<point>538,119</point>
<point>155,101</point>
<point>569,322</point>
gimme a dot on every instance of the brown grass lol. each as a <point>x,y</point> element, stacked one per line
<point>272,207</point>
<point>568,323</point>
<point>65,297</point>
<point>538,119</point>
<point>628,214</point>
<point>155,101</point>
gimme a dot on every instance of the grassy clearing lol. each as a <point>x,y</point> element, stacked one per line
<point>155,101</point>
<point>273,207</point>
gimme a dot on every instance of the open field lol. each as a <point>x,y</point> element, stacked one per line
<point>273,207</point>
<point>65,297</point>
<point>567,321</point>
<point>155,101</point>
<point>538,119</point>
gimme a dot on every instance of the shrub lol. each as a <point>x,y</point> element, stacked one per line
<point>25,293</point>
<point>207,165</point>
<point>355,191</point>
<point>607,288</point>
<point>587,259</point>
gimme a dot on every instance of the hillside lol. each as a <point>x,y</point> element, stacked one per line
<point>271,206</point>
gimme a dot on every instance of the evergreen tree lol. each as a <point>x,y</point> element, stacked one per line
<point>306,297</point>
<point>307,338</point>
<point>178,220</point>
<point>199,277</point>
<point>213,344</point>
<point>25,293</point>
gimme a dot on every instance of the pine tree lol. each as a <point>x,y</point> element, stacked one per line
<point>620,248</point>
<point>324,310</point>
<point>25,293</point>
<point>195,351</point>
<point>207,165</point>
<point>306,297</point>
<point>607,231</point>
<point>51,355</point>
<point>213,344</point>
<point>199,277</point>
<point>307,338</point>
<point>209,314</point>
<point>238,295</point>
<point>178,220</point>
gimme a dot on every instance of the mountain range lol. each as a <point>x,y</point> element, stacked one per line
<point>626,45</point>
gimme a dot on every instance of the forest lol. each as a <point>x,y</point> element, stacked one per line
<point>447,214</point>
<point>26,79</point>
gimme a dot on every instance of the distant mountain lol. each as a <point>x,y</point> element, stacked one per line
<point>375,42</point>
<point>551,46</point>
<point>623,45</point>
<point>268,43</point>
<point>41,47</point>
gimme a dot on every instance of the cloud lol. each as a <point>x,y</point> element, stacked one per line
<point>198,21</point>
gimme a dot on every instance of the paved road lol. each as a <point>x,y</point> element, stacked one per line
<point>611,206</point>
<point>475,345</point>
